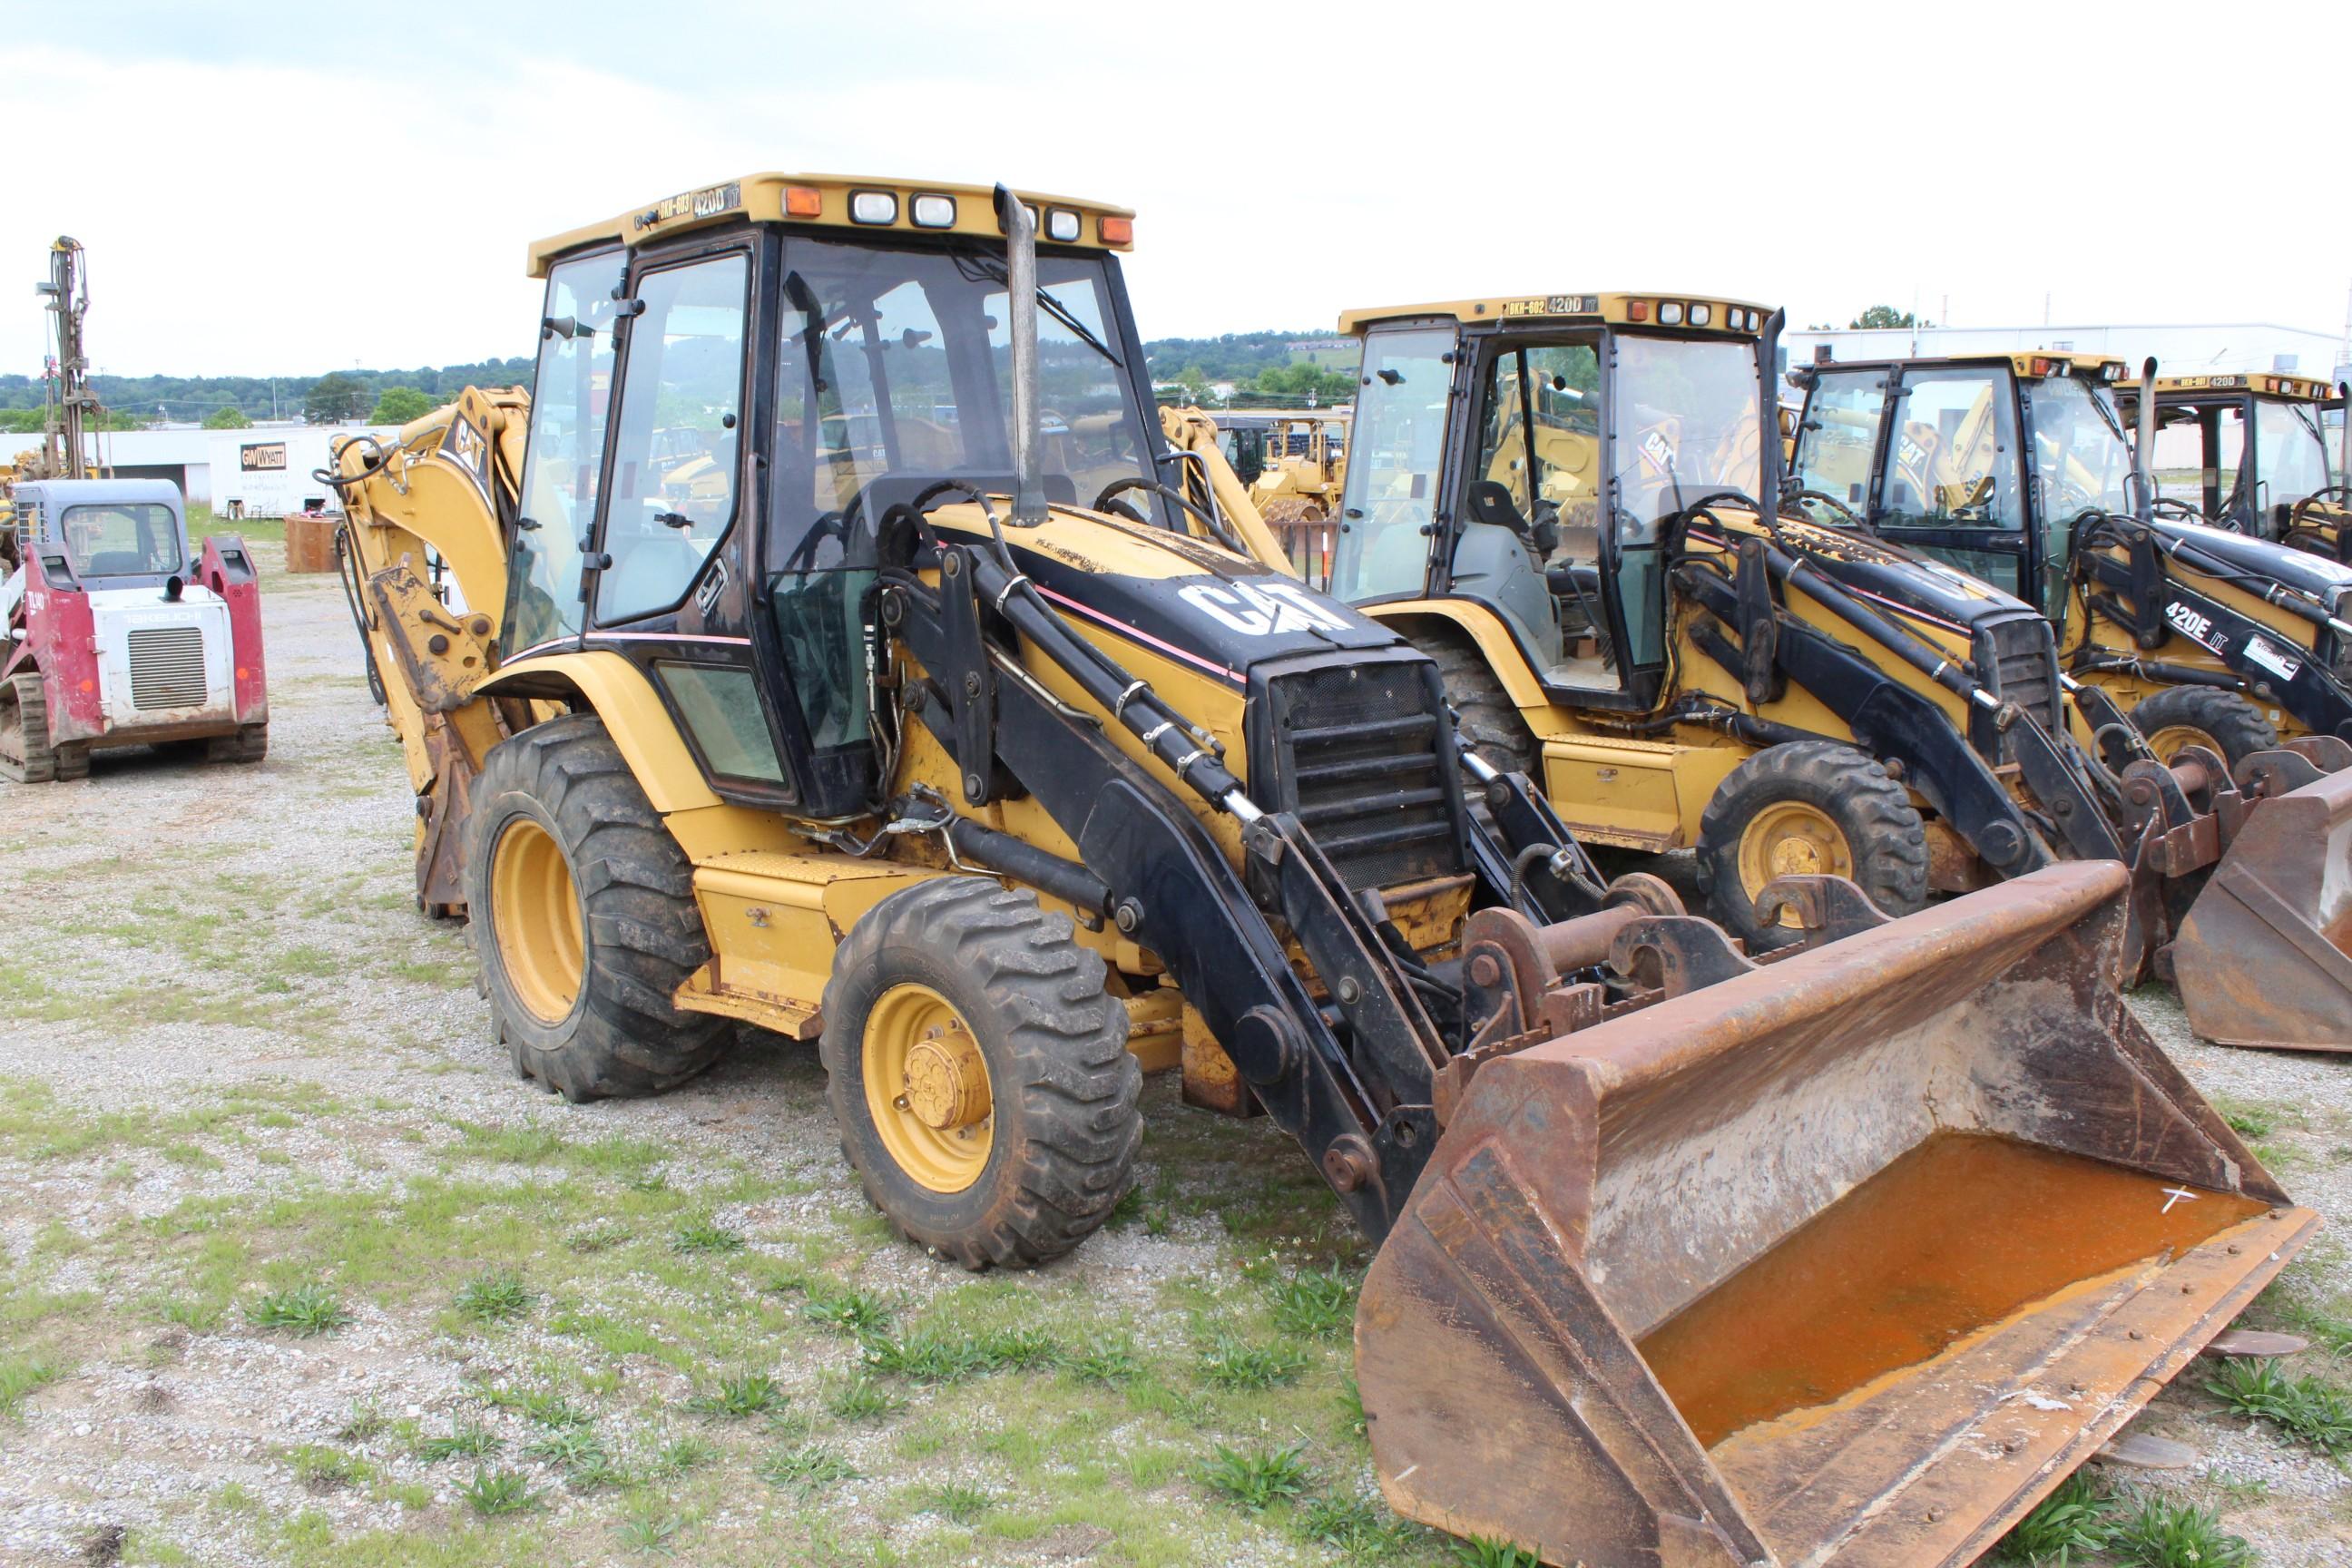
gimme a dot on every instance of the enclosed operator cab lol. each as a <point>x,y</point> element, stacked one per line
<point>120,634</point>
<point>2253,454</point>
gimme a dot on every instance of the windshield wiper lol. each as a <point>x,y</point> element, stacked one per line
<point>994,271</point>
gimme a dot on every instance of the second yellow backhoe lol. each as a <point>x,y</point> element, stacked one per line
<point>942,728</point>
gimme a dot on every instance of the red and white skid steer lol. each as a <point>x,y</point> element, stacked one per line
<point>117,636</point>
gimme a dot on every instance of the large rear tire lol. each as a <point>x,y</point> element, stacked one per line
<point>2203,716</point>
<point>1810,807</point>
<point>25,755</point>
<point>1489,722</point>
<point>585,918</point>
<point>979,1073</point>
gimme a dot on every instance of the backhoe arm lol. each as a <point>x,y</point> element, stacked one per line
<point>424,554</point>
<point>1194,434</point>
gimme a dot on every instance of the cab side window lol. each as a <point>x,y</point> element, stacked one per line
<point>565,452</point>
<point>674,459</point>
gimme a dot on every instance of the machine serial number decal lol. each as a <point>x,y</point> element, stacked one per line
<point>1256,612</point>
<point>2197,627</point>
<point>708,201</point>
<point>2273,659</point>
<point>1555,305</point>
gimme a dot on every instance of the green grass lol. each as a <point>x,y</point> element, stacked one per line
<point>493,1492</point>
<point>2070,1525</point>
<point>322,1468</point>
<point>463,1442</point>
<point>858,1313</point>
<point>745,1393</point>
<point>681,1456</point>
<point>649,1533</point>
<point>2165,1534</point>
<point>862,1398</point>
<point>2301,1406</point>
<point>1354,1527</point>
<point>21,1376</point>
<point>1257,1479</point>
<point>1228,1362</point>
<point>807,1469</point>
<point>304,1310</point>
<point>581,1454</point>
<point>1314,1302</point>
<point>1482,1551</point>
<point>956,1503</point>
<point>497,1297</point>
<point>706,1235</point>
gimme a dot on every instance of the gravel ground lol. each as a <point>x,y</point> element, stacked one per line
<point>231,1029</point>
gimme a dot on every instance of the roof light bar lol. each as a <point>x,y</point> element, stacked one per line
<point>932,211</point>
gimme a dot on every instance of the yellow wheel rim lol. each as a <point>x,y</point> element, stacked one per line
<point>535,915</point>
<point>1790,838</point>
<point>2169,741</point>
<point>927,1088</point>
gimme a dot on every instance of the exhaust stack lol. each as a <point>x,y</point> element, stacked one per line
<point>2144,448</point>
<point>1021,292</point>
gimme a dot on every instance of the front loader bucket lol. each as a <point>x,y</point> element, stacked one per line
<point>2261,958</point>
<point>1848,1259</point>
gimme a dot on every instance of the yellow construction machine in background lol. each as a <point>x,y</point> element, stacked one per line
<point>951,727</point>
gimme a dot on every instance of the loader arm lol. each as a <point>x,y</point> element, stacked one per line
<point>423,550</point>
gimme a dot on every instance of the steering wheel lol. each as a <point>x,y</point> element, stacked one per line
<point>1797,498</point>
<point>830,525</point>
<point>2173,505</point>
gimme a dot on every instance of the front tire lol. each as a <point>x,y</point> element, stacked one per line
<point>979,1073</point>
<point>250,743</point>
<point>2205,716</point>
<point>1809,807</point>
<point>585,919</point>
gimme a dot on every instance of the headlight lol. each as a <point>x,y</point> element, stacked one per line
<point>873,206</point>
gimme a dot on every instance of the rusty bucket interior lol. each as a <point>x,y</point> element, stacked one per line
<point>2263,956</point>
<point>1848,1259</point>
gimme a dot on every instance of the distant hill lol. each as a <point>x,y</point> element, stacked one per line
<point>191,397</point>
<point>1235,356</point>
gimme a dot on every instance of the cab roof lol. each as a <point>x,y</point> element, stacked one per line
<point>63,493</point>
<point>1733,318</point>
<point>2300,388</point>
<point>831,200</point>
<point>2034,363</point>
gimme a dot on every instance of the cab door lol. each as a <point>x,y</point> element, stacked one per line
<point>1950,476</point>
<point>669,567</point>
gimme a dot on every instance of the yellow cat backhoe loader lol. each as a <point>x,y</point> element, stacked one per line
<point>2212,642</point>
<point>1574,504</point>
<point>945,731</point>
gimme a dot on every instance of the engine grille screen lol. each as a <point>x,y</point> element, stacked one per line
<point>2024,662</point>
<point>1356,752</point>
<point>167,667</point>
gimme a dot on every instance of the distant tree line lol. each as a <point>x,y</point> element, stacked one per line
<point>133,401</point>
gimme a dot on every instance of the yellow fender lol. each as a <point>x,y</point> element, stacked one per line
<point>1494,641</point>
<point>633,712</point>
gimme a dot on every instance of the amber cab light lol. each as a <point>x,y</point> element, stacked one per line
<point>1637,310</point>
<point>803,201</point>
<point>1118,231</point>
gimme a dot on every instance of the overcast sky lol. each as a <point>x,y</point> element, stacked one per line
<point>264,192</point>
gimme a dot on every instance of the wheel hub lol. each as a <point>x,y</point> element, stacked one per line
<point>2171,741</point>
<point>946,1082</point>
<point>1791,838</point>
<point>927,1088</point>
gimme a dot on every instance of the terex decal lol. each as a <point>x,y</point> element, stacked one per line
<point>2197,626</point>
<point>1258,611</point>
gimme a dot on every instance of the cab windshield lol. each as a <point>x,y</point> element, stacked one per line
<point>2080,459</point>
<point>120,539</point>
<point>894,373</point>
<point>2291,456</point>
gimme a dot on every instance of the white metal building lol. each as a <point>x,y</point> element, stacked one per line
<point>2220,348</point>
<point>262,471</point>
